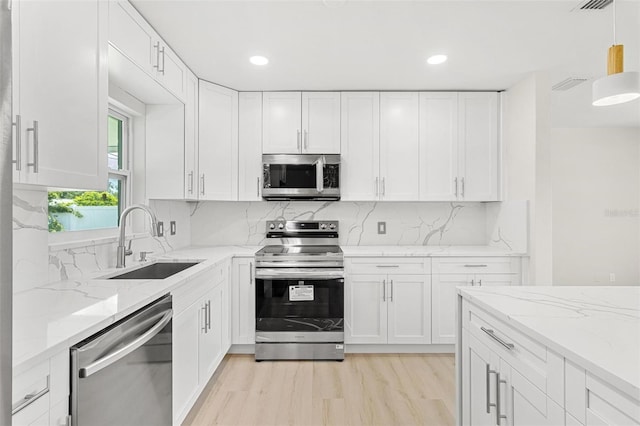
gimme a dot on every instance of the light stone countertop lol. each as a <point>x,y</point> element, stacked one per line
<point>597,328</point>
<point>50,318</point>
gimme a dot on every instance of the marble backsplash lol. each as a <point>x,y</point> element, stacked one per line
<point>408,223</point>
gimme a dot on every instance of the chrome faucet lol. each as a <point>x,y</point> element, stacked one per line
<point>123,252</point>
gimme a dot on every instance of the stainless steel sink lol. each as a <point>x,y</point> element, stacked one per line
<point>155,271</point>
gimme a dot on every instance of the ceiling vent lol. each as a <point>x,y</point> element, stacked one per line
<point>593,4</point>
<point>568,83</point>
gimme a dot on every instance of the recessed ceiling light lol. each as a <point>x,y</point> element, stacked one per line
<point>258,60</point>
<point>437,59</point>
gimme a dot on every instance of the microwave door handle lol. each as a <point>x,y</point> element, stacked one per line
<point>320,174</point>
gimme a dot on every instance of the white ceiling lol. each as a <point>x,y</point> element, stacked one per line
<point>383,45</point>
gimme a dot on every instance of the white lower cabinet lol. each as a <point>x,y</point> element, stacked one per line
<point>387,308</point>
<point>201,335</point>
<point>243,301</point>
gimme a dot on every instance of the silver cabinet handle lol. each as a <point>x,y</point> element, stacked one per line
<point>491,334</point>
<point>384,187</point>
<point>204,318</point>
<point>250,273</point>
<point>377,186</point>
<point>113,357</point>
<point>29,399</point>
<point>473,282</point>
<point>455,184</point>
<point>306,140</point>
<point>475,266</point>
<point>387,266</point>
<point>391,295</point>
<point>480,283</point>
<point>258,186</point>
<point>163,58</point>
<point>298,144</point>
<point>499,416</point>
<point>36,147</point>
<point>157,47</point>
<point>384,290</point>
<point>202,181</point>
<point>462,192</point>
<point>191,182</point>
<point>209,314</point>
<point>18,126</point>
<point>488,374</point>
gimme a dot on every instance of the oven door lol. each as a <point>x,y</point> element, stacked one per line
<point>299,305</point>
<point>303,176</point>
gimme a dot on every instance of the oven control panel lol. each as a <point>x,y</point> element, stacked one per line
<point>302,226</point>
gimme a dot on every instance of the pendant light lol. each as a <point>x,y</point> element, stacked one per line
<point>618,86</point>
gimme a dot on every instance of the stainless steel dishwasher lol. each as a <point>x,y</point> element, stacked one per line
<point>122,375</point>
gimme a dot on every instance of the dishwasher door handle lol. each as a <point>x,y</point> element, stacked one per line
<point>115,356</point>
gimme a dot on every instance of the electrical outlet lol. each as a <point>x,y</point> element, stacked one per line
<point>382,227</point>
<point>612,277</point>
<point>172,227</point>
<point>160,229</point>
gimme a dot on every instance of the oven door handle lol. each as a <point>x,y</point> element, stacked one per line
<point>320,174</point>
<point>311,274</point>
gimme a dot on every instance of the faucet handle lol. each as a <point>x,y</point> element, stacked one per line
<point>143,255</point>
<point>128,251</point>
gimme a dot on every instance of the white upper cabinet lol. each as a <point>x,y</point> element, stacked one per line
<point>250,146</point>
<point>360,161</point>
<point>60,93</point>
<point>218,143</point>
<point>399,146</point>
<point>459,157</point>
<point>164,167</point>
<point>438,146</point>
<point>478,139</point>
<point>321,122</point>
<point>191,138</point>
<point>295,122</point>
<point>132,35</point>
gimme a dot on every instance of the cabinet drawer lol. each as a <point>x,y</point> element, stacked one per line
<point>476,265</point>
<point>388,265</point>
<point>535,362</point>
<point>30,395</point>
<point>193,289</point>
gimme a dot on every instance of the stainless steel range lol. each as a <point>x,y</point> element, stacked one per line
<point>300,292</point>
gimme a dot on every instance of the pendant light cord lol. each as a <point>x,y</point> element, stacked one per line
<point>614,21</point>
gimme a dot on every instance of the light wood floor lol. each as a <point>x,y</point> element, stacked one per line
<point>403,389</point>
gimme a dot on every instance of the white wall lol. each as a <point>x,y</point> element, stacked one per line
<point>526,170</point>
<point>596,202</point>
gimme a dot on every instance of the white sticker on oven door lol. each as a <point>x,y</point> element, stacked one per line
<point>299,293</point>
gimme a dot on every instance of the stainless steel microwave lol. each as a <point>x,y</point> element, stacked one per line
<point>301,177</point>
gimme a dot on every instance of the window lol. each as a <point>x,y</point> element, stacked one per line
<point>82,210</point>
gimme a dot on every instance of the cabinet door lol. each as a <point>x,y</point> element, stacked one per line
<point>186,334</point>
<point>63,92</point>
<point>191,138</point>
<point>210,343</point>
<point>281,119</point>
<point>243,304</point>
<point>164,167</point>
<point>478,133</point>
<point>524,403</point>
<point>438,146</point>
<point>360,146</point>
<point>321,122</point>
<point>218,143</point>
<point>607,406</point>
<point>479,368</point>
<point>409,309</point>
<point>399,146</point>
<point>171,72</point>
<point>365,310</point>
<point>250,146</point>
<point>132,35</point>
<point>444,304</point>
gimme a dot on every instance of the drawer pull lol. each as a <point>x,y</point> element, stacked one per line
<point>491,334</point>
<point>475,266</point>
<point>29,399</point>
<point>387,266</point>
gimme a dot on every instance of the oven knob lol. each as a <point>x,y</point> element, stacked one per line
<point>332,226</point>
<point>281,226</point>
<point>272,226</point>
<point>323,226</point>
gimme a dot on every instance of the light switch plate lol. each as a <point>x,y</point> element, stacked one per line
<point>382,227</point>
<point>172,227</point>
<point>160,229</point>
